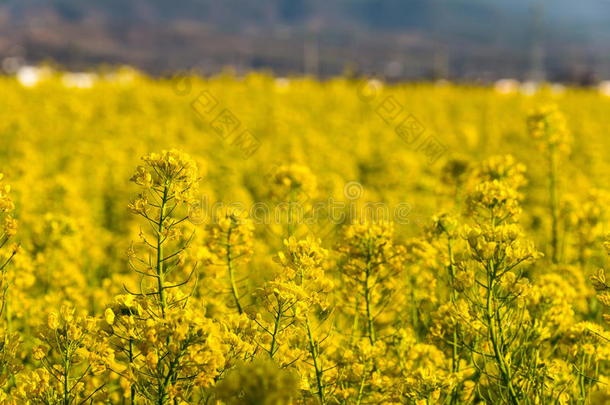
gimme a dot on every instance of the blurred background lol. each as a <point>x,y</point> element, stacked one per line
<point>465,40</point>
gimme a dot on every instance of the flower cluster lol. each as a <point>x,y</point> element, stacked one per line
<point>490,293</point>
<point>548,125</point>
<point>292,183</point>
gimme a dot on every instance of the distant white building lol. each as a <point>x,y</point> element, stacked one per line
<point>507,86</point>
<point>78,80</point>
<point>29,76</point>
<point>604,87</point>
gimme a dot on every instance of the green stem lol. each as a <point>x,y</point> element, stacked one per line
<point>316,365</point>
<point>496,333</point>
<point>276,328</point>
<point>355,325</point>
<point>455,363</point>
<point>290,217</point>
<point>367,297</point>
<point>552,157</point>
<point>581,379</point>
<point>230,269</point>
<point>160,269</point>
<point>132,388</point>
<point>66,376</point>
<point>161,275</point>
<point>361,389</point>
<point>9,323</point>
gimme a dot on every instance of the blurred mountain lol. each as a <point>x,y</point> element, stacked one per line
<point>460,39</point>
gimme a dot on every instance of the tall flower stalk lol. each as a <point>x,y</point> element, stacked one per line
<point>497,251</point>
<point>548,126</point>
<point>229,243</point>
<point>169,345</point>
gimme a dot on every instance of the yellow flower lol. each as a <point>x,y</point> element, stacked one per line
<point>547,124</point>
<point>109,316</point>
<point>53,321</point>
<point>39,352</point>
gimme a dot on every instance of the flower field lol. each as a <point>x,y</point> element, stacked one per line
<point>260,240</point>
